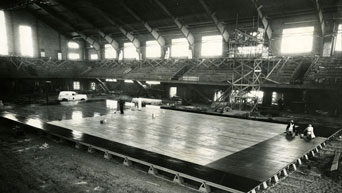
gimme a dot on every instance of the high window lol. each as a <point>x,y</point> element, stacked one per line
<point>110,52</point>
<point>3,35</point>
<point>73,51</point>
<point>338,43</point>
<point>297,40</point>
<point>74,56</point>
<point>93,86</point>
<point>211,46</point>
<point>130,52</point>
<point>153,82</point>
<point>94,57</point>
<point>73,45</point>
<point>173,92</point>
<point>77,85</point>
<point>59,56</point>
<point>179,47</point>
<point>111,80</point>
<point>153,49</point>
<point>26,42</point>
<point>128,81</point>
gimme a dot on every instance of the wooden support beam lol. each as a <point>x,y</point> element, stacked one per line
<point>185,31</point>
<point>127,34</point>
<point>160,39</point>
<point>107,37</point>
<point>334,164</point>
<point>264,20</point>
<point>321,18</point>
<point>219,25</point>
<point>57,17</point>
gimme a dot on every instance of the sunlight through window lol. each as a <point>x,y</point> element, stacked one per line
<point>153,82</point>
<point>211,45</point>
<point>26,43</point>
<point>153,49</point>
<point>297,40</point>
<point>3,35</point>
<point>130,52</point>
<point>110,52</point>
<point>74,56</point>
<point>76,85</point>
<point>94,57</point>
<point>73,45</point>
<point>339,39</point>
<point>179,47</point>
<point>128,81</point>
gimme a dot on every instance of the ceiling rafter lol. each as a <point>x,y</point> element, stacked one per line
<point>57,16</point>
<point>160,39</point>
<point>219,25</point>
<point>264,20</point>
<point>185,31</point>
<point>34,10</point>
<point>107,37</point>
<point>321,17</point>
<point>127,34</point>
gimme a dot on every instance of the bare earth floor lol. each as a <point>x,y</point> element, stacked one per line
<point>29,166</point>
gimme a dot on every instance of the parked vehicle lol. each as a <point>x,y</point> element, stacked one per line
<point>71,96</point>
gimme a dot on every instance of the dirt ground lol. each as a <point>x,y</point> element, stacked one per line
<point>34,163</point>
<point>314,176</point>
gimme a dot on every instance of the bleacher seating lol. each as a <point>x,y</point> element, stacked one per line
<point>326,71</point>
<point>167,70</point>
<point>291,70</point>
<point>109,69</point>
<point>298,70</point>
<point>211,73</point>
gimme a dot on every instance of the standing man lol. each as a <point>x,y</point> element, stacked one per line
<point>121,105</point>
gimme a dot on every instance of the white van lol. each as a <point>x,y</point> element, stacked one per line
<point>71,96</point>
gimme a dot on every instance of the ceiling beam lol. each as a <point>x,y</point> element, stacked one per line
<point>57,16</point>
<point>160,39</point>
<point>185,31</point>
<point>33,10</point>
<point>321,18</point>
<point>107,37</point>
<point>219,25</point>
<point>264,20</point>
<point>127,34</point>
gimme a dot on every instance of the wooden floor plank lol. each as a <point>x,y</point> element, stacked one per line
<point>234,152</point>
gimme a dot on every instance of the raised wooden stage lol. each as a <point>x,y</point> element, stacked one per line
<point>235,155</point>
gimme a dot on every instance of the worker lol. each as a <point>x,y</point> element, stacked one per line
<point>309,132</point>
<point>121,105</point>
<point>290,129</point>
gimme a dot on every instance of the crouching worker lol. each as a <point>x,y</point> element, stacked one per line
<point>290,129</point>
<point>309,132</point>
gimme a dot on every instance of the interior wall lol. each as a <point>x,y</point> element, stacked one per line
<point>43,36</point>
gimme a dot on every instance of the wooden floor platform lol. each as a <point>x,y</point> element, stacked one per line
<point>234,153</point>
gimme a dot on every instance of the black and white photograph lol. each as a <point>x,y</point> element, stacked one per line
<point>170,96</point>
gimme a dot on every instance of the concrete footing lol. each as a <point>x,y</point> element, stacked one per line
<point>78,146</point>
<point>107,155</point>
<point>204,188</point>
<point>91,149</point>
<point>152,170</point>
<point>178,179</point>
<point>127,162</point>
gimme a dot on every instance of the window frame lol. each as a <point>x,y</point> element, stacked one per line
<point>292,50</point>
<point>184,51</point>
<point>211,44</point>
